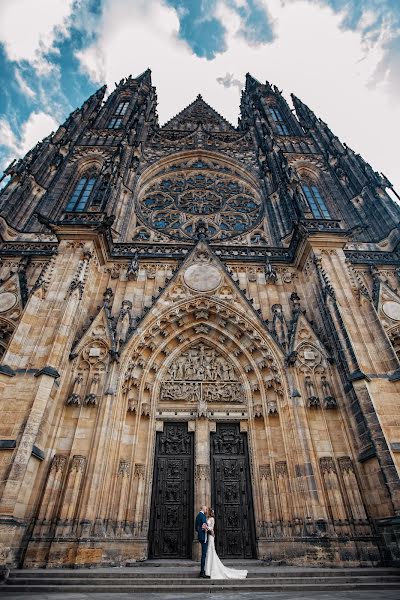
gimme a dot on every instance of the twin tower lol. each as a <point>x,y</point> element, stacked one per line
<point>198,314</point>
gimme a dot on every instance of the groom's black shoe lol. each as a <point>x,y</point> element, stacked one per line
<point>203,575</point>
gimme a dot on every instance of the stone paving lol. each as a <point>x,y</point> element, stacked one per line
<point>349,595</point>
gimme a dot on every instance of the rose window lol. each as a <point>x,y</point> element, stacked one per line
<point>226,205</point>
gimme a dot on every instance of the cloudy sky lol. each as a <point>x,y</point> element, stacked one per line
<point>341,57</point>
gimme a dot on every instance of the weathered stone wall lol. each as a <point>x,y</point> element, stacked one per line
<point>249,309</point>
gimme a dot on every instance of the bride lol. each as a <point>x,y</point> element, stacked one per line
<point>214,567</point>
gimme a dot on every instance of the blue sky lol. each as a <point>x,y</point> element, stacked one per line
<point>342,57</point>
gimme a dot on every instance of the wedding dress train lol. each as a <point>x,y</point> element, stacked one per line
<point>214,567</point>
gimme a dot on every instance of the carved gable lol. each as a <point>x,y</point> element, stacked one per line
<point>199,112</point>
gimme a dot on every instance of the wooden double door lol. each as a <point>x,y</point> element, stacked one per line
<point>172,513</point>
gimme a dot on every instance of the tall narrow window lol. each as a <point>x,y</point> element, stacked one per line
<point>121,109</point>
<point>114,123</point>
<point>81,194</point>
<point>316,202</point>
<point>279,122</point>
<point>116,120</point>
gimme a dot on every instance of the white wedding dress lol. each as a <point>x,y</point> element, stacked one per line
<point>214,567</point>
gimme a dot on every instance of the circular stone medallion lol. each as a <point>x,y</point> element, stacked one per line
<point>7,301</point>
<point>392,310</point>
<point>202,277</point>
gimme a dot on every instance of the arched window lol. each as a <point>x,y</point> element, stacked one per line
<point>279,121</point>
<point>315,201</point>
<point>116,120</point>
<point>81,194</point>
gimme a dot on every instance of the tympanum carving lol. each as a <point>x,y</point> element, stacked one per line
<point>201,375</point>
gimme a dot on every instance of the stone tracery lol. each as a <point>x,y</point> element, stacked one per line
<point>228,205</point>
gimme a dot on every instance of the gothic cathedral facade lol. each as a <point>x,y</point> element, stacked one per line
<point>198,314</point>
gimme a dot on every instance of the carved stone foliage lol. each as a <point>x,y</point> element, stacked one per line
<point>265,471</point>
<point>327,464</point>
<point>281,469</point>
<point>200,375</point>
<point>124,468</point>
<point>346,464</point>
<point>78,463</point>
<point>59,462</point>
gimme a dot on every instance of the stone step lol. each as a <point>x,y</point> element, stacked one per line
<point>202,586</point>
<point>179,573</point>
<point>67,581</point>
<point>110,579</point>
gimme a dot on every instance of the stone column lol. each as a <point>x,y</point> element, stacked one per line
<point>282,479</point>
<point>123,476</point>
<point>139,475</point>
<point>267,499</point>
<point>202,492</point>
<point>51,494</point>
<point>333,492</point>
<point>352,490</point>
<point>71,497</point>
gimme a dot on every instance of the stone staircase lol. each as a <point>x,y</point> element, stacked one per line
<point>182,576</point>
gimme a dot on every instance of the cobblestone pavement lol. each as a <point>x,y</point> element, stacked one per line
<point>349,595</point>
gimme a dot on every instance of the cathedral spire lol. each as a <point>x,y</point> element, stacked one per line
<point>305,115</point>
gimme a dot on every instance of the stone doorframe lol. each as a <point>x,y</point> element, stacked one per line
<point>258,362</point>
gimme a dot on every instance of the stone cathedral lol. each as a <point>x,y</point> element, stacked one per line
<point>198,313</point>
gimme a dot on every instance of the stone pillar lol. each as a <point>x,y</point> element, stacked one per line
<point>72,492</point>
<point>123,476</point>
<point>333,492</point>
<point>351,488</point>
<point>202,491</point>
<point>282,478</point>
<point>267,499</point>
<point>139,475</point>
<point>51,494</point>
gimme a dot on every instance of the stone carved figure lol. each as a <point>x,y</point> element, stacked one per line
<point>329,399</point>
<point>279,325</point>
<point>312,398</point>
<point>201,375</point>
<point>75,397</point>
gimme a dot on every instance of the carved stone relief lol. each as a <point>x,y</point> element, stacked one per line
<point>201,375</point>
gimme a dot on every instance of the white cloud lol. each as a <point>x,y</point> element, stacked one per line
<point>23,85</point>
<point>331,69</point>
<point>229,81</point>
<point>29,29</point>
<point>36,127</point>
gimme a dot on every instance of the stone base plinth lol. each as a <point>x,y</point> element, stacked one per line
<point>88,553</point>
<point>320,551</point>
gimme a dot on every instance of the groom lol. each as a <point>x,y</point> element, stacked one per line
<point>201,528</point>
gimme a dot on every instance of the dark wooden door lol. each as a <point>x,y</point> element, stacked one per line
<point>231,493</point>
<point>171,524</point>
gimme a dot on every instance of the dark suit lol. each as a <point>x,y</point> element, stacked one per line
<point>202,535</point>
